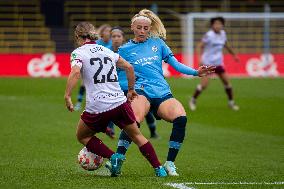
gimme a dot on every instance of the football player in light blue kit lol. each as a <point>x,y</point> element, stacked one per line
<point>118,38</point>
<point>146,52</point>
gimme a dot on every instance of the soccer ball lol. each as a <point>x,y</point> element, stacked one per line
<point>89,161</point>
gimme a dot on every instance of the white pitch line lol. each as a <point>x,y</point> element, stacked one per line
<point>234,183</point>
<point>184,185</point>
<point>178,185</point>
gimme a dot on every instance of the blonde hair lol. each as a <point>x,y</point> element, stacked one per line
<point>157,27</point>
<point>86,30</point>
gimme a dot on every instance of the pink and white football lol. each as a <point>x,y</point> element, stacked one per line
<point>89,161</point>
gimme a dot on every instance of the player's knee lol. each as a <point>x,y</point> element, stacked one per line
<point>80,138</point>
<point>204,87</point>
<point>175,114</point>
<point>139,118</point>
<point>201,87</point>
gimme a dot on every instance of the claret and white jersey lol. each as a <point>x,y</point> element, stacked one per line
<point>98,71</point>
<point>213,50</point>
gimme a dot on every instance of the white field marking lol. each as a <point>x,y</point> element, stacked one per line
<point>234,183</point>
<point>178,185</point>
<point>102,171</point>
<point>184,185</point>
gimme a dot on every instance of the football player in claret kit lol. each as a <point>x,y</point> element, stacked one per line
<point>105,100</point>
<point>118,38</point>
<point>104,40</point>
<point>211,53</point>
<point>146,52</point>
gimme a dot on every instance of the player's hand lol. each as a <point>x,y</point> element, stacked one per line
<point>69,104</point>
<point>131,94</point>
<point>205,70</point>
<point>236,58</point>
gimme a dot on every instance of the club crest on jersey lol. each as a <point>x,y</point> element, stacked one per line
<point>154,48</point>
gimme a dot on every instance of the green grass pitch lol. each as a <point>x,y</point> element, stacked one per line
<point>39,148</point>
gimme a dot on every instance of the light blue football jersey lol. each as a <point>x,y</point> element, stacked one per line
<point>146,58</point>
<point>107,45</point>
<point>122,79</point>
<point>121,74</point>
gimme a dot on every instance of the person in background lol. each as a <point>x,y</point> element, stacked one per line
<point>104,33</point>
<point>210,50</point>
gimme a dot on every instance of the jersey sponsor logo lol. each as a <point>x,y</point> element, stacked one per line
<point>154,48</point>
<point>146,60</point>
<point>46,66</point>
<point>109,96</point>
<point>145,63</point>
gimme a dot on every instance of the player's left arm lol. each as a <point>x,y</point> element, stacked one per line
<point>202,70</point>
<point>72,80</point>
<point>231,51</point>
<point>169,57</point>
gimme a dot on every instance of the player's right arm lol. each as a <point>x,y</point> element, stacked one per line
<point>123,64</point>
<point>231,51</point>
<point>169,57</point>
<point>74,76</point>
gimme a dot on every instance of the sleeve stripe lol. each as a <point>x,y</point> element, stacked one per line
<point>79,60</point>
<point>168,56</point>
